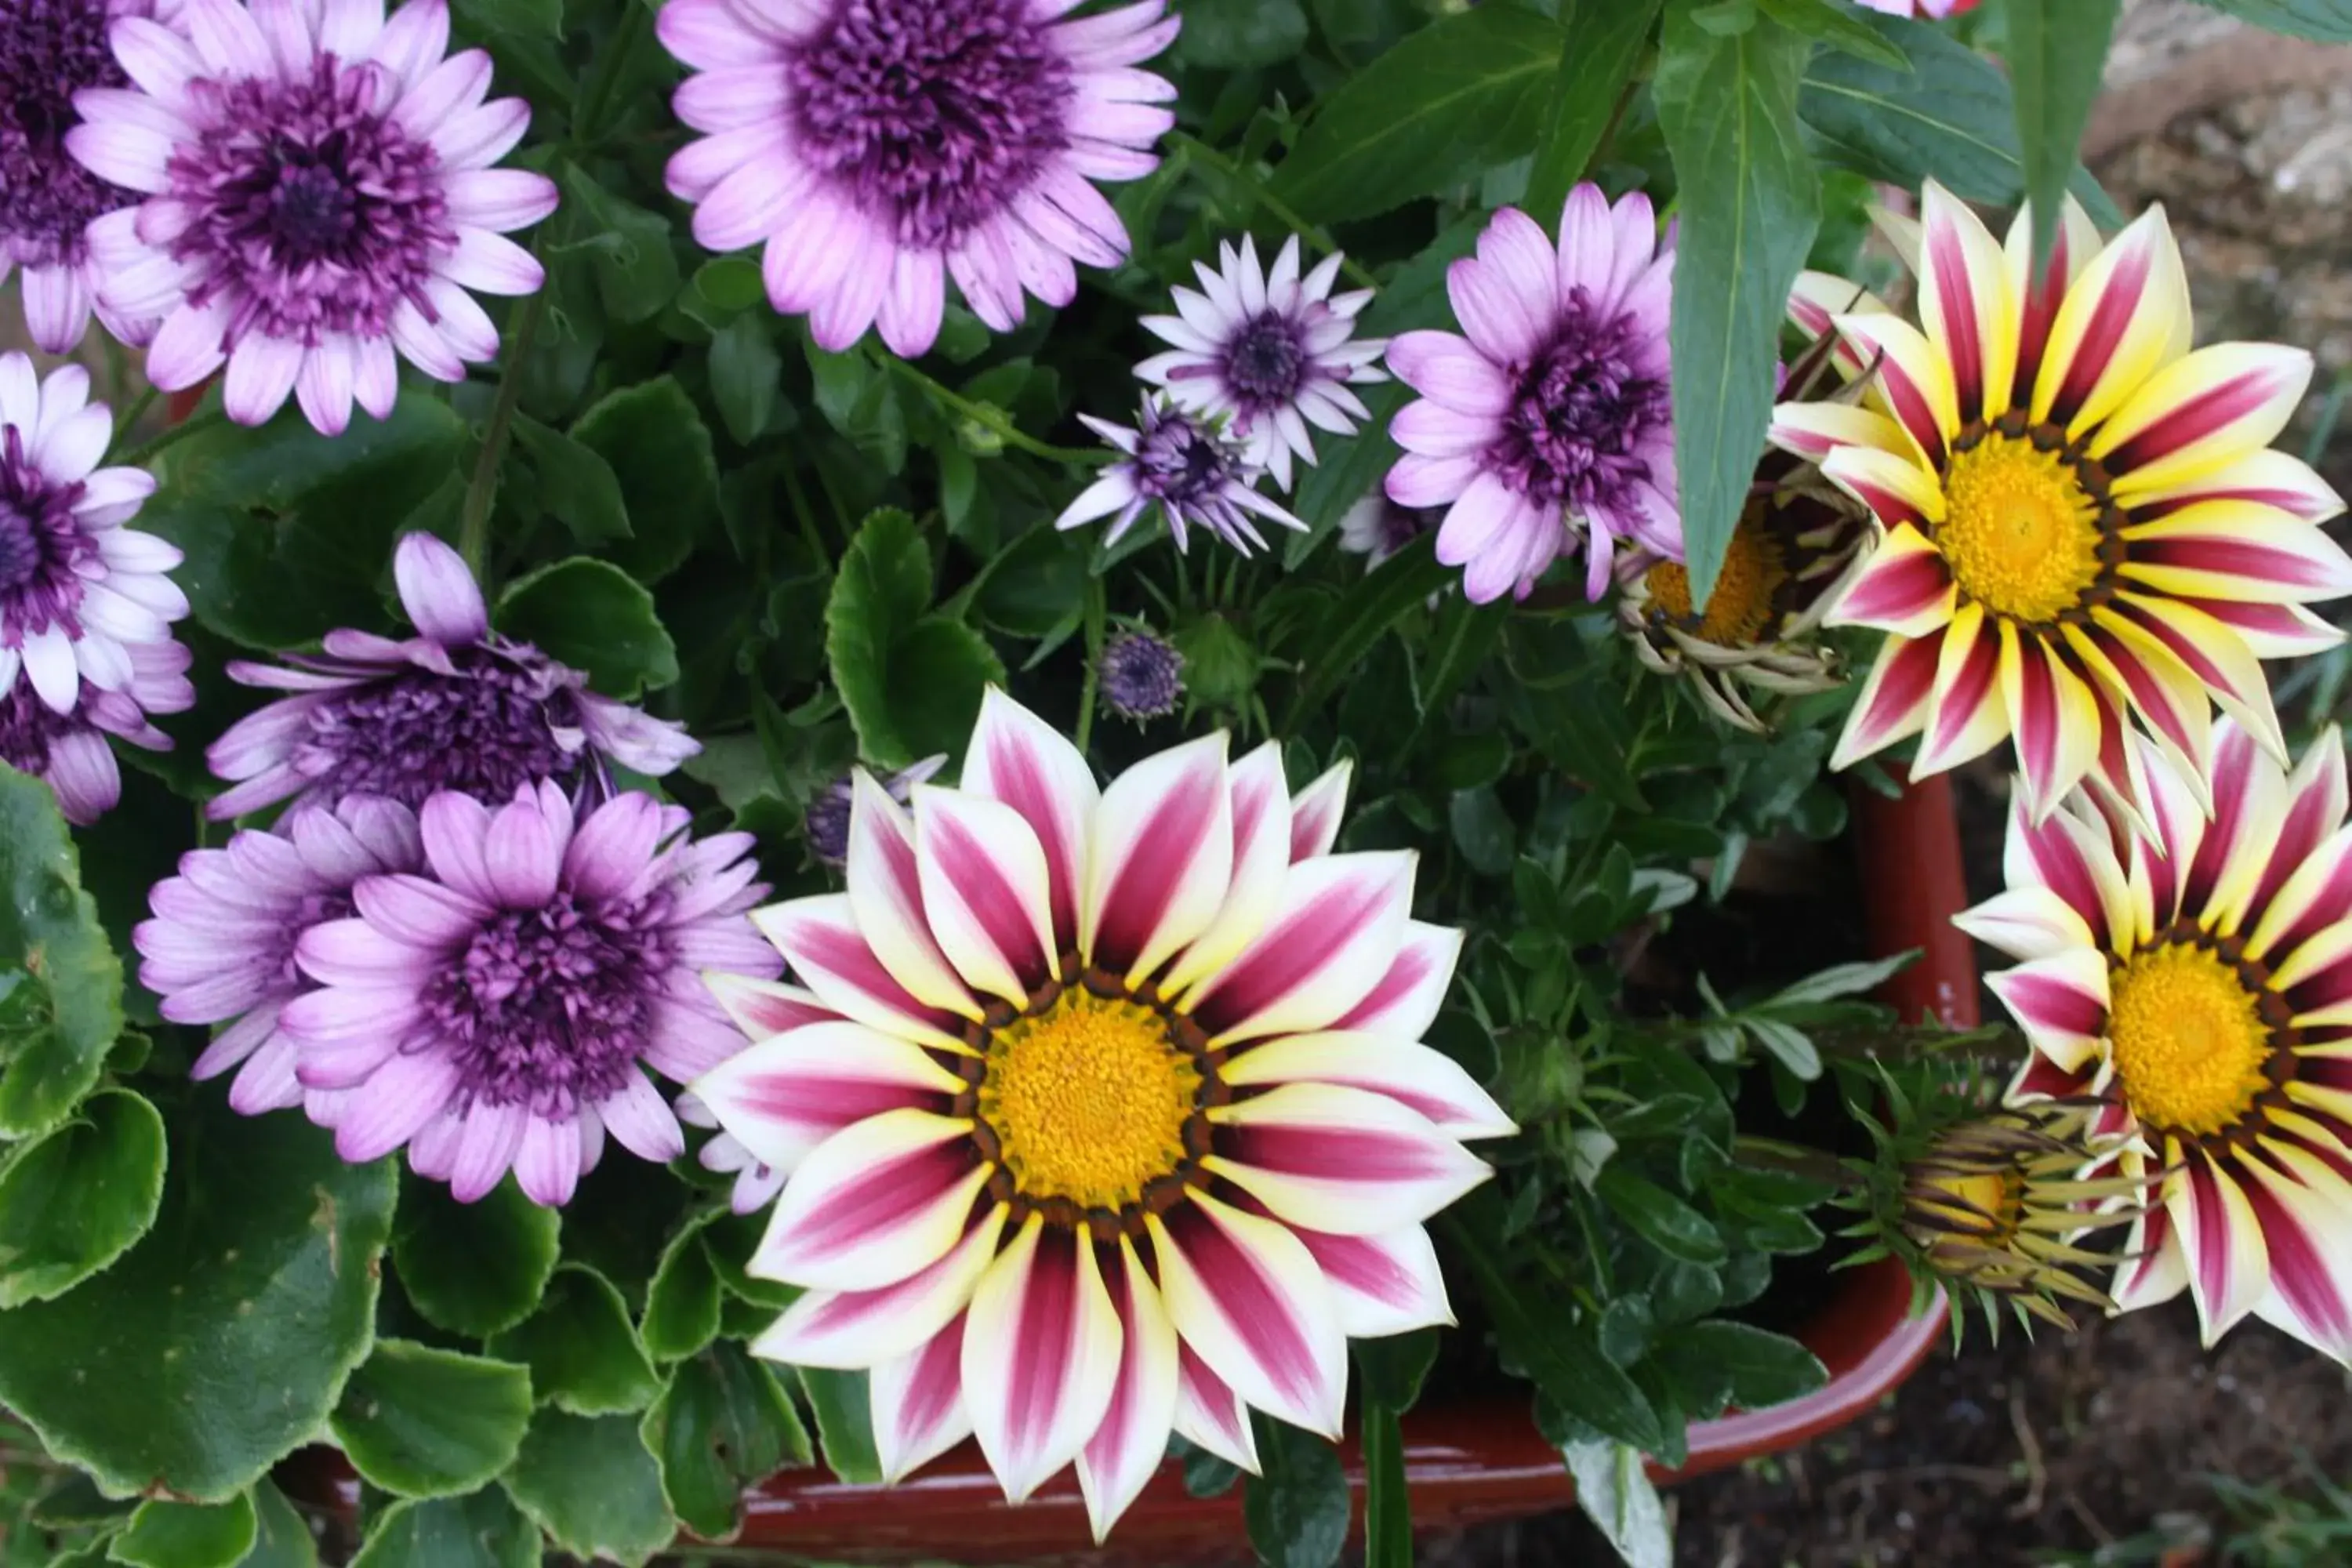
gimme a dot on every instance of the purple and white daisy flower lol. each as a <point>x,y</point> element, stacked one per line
<point>457,707</point>
<point>78,590</point>
<point>879,147</point>
<point>756,1183</point>
<point>1270,352</point>
<point>68,751</point>
<point>1551,419</point>
<point>825,824</point>
<point>497,1010</point>
<point>219,948</point>
<point>49,49</point>
<point>1196,472</point>
<point>1377,528</point>
<point>318,195</point>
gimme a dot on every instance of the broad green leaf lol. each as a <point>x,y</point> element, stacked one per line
<point>1464,93</point>
<point>1296,1507</point>
<point>1586,92</point>
<point>187,1535</point>
<point>1240,35</point>
<point>1363,614</point>
<point>484,1531</point>
<point>724,1424</point>
<point>73,1201</point>
<point>595,618</point>
<point>473,1268</point>
<point>73,1500</point>
<point>683,1300</point>
<point>280,1538</point>
<point>732,1240</point>
<point>581,1348</point>
<point>1617,1496</point>
<point>1831,22</point>
<point>577,485</point>
<point>1659,1217</point>
<point>219,1343</point>
<point>426,1422</point>
<point>2321,21</point>
<point>637,269</point>
<point>591,1486</point>
<point>1765,1368</point>
<point>1388,1512</point>
<point>2056,51</point>
<point>660,451</point>
<point>912,682</point>
<point>71,998</point>
<point>516,18</point>
<point>938,674</point>
<point>729,283</point>
<point>1750,199</point>
<point>845,1422</point>
<point>746,376</point>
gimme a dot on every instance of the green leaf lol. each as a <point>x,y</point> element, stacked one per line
<point>73,1201</point>
<point>50,932</point>
<point>575,484</point>
<point>1586,94</point>
<point>1765,1368</point>
<point>845,1422</point>
<point>682,1301</point>
<point>1363,614</point>
<point>1659,1217</point>
<point>729,283</point>
<point>484,1531</point>
<point>2321,21</point>
<point>1240,35</point>
<point>516,18</point>
<point>660,451</point>
<point>1950,117</point>
<point>912,682</point>
<point>746,375</point>
<point>938,674</point>
<point>1842,980</point>
<point>281,1539</point>
<point>1750,202</point>
<point>1615,1493</point>
<point>723,1423</point>
<point>1297,1508</point>
<point>1388,1512</point>
<point>636,270</point>
<point>1464,93</point>
<point>1395,1365</point>
<point>473,1268</point>
<point>595,618</point>
<point>187,1535</point>
<point>581,1348</point>
<point>1824,22</point>
<point>426,1422</point>
<point>2056,51</point>
<point>219,1343</point>
<point>591,1486</point>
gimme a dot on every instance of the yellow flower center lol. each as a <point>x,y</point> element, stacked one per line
<point>2020,532</point>
<point>1088,1098</point>
<point>2188,1038</point>
<point>1741,605</point>
<point>1988,1205</point>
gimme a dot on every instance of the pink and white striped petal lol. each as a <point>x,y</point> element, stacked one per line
<point>2026,923</point>
<point>2077,862</point>
<point>1209,1413</point>
<point>1414,1075</point>
<point>987,891</point>
<point>2274,631</point>
<point>1382,1285</point>
<point>1894,703</point>
<point>2221,1237</point>
<point>2305,884</point>
<point>2167,843</point>
<point>1912,381</point>
<point>1249,1299</point>
<point>1127,1447</point>
<point>2051,715</point>
<point>820,939</point>
<point>1333,1158</point>
<point>1261,819</point>
<point>2155,1267</point>
<point>1335,934</point>
<point>1160,858</point>
<point>1405,1002</point>
<point>2305,1214</point>
<point>853,1328</point>
<point>1041,1355</point>
<point>2236,551</point>
<point>1966,718</point>
<point>1966,303</point>
<point>1904,587</point>
<point>876,1202</point>
<point>2268,478</point>
<point>2078,242</point>
<point>2250,805</point>
<point>1017,758</point>
<point>1315,810</point>
<point>2060,1003</point>
<point>2200,414</point>
<point>783,1097</point>
<point>884,876</point>
<point>1896,487</point>
<point>2125,318</point>
<point>763,1008</point>
<point>2141,672</point>
<point>919,1405</point>
<point>1813,431</point>
<point>1815,302</point>
<point>2213,653</point>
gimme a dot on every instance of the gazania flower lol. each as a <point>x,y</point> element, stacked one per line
<point>2198,985</point>
<point>78,590</point>
<point>220,946</point>
<point>1551,420</point>
<point>1268,353</point>
<point>879,147</point>
<point>493,1011</point>
<point>1142,675</point>
<point>457,707</point>
<point>69,752</point>
<point>49,49</point>
<point>319,193</point>
<point>1196,473</point>
<point>1121,1123</point>
<point>2081,519</point>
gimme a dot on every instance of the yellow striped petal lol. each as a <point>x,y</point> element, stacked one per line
<point>2125,319</point>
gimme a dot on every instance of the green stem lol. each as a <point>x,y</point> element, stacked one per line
<point>1098,614</point>
<point>196,424</point>
<point>1314,234</point>
<point>482,489</point>
<point>135,412</point>
<point>995,419</point>
<point>587,118</point>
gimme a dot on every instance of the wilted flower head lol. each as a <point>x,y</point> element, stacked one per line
<point>319,199</point>
<point>1142,675</point>
<point>879,147</point>
<point>1268,353</point>
<point>457,707</point>
<point>1549,420</point>
<point>826,825</point>
<point>1377,528</point>
<point>68,751</point>
<point>495,1009</point>
<point>1197,473</point>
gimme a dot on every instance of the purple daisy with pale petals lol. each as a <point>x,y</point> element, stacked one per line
<point>318,198</point>
<point>1270,353</point>
<point>879,147</point>
<point>1552,418</point>
<point>1196,472</point>
<point>220,946</point>
<point>455,708</point>
<point>498,1010</point>
<point>68,751</point>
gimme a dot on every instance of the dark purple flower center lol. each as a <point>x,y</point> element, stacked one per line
<point>935,114</point>
<point>485,730</point>
<point>41,546</point>
<point>1265,362</point>
<point>48,49</point>
<point>314,213</point>
<point>549,1007</point>
<point>1141,675</point>
<point>1581,412</point>
<point>1181,464</point>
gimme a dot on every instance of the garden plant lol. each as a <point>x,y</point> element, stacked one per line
<point>746,736</point>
